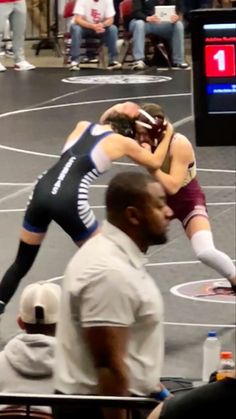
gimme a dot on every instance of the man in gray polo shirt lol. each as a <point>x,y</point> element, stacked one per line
<point>110,330</point>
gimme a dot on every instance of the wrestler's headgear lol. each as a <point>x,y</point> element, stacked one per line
<point>156,126</point>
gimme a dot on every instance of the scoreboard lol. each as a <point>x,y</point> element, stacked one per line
<point>213,34</point>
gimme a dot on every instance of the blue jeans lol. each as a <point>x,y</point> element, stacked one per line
<point>172,32</point>
<point>110,37</point>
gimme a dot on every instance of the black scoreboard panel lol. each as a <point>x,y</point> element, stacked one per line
<point>213,35</point>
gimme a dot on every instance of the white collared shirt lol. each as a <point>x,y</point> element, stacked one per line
<point>106,284</point>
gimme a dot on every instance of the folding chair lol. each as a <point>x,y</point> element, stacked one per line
<point>23,412</point>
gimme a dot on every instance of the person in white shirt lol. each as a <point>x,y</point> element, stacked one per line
<point>110,330</point>
<point>94,18</point>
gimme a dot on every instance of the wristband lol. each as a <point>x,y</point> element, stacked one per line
<point>161,395</point>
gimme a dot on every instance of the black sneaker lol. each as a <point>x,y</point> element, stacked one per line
<point>181,66</point>
<point>2,307</point>
<point>87,60</point>
<point>114,65</point>
<point>9,52</point>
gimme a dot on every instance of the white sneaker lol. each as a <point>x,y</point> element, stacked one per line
<point>74,66</point>
<point>139,65</point>
<point>24,66</point>
<point>221,284</point>
<point>114,65</point>
<point>2,68</point>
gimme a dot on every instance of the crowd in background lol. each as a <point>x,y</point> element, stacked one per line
<point>43,20</point>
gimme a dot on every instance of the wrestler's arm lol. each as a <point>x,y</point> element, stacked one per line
<point>116,146</point>
<point>162,149</point>
<point>130,109</point>
<point>181,156</point>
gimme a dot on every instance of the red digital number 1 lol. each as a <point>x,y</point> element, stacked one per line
<point>220,60</point>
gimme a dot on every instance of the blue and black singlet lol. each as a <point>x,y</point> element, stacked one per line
<point>61,193</point>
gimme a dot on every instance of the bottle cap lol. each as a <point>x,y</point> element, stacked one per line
<point>212,334</point>
<point>226,355</point>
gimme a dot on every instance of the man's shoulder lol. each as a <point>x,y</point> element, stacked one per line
<point>100,255</point>
<point>97,250</point>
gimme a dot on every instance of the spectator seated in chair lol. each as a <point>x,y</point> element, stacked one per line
<point>157,51</point>
<point>94,19</point>
<point>90,54</point>
<point>143,21</point>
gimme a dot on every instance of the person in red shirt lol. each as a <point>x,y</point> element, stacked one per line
<point>15,11</point>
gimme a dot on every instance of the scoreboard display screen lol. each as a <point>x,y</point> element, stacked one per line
<point>213,34</point>
<point>220,66</point>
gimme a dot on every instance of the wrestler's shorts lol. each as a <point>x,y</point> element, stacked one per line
<point>75,217</point>
<point>188,202</point>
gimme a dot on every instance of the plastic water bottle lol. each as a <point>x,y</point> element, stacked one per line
<point>226,367</point>
<point>211,355</point>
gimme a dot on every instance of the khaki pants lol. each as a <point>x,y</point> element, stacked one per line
<point>37,10</point>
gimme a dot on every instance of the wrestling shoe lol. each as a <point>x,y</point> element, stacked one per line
<point>233,288</point>
<point>224,286</point>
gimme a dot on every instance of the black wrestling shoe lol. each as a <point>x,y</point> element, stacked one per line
<point>2,307</point>
<point>233,287</point>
